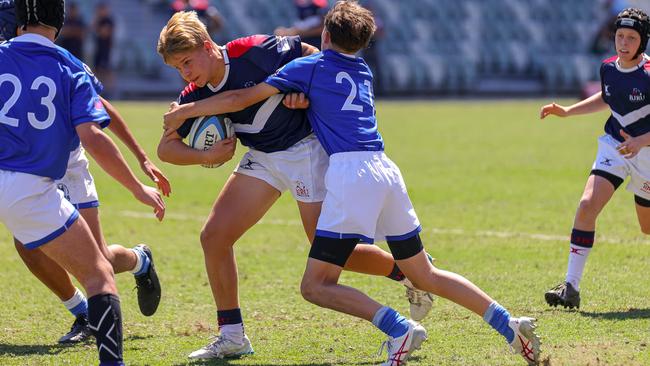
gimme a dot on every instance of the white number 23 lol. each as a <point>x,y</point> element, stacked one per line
<point>46,101</point>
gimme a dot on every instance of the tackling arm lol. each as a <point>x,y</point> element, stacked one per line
<point>226,102</point>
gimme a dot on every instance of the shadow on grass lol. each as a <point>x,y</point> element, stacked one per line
<point>30,349</point>
<point>619,315</point>
<point>228,362</point>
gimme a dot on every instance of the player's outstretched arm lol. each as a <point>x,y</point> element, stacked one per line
<point>121,130</point>
<point>226,102</point>
<point>108,156</point>
<point>171,149</point>
<point>594,103</point>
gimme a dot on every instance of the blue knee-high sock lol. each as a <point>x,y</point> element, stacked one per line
<point>390,322</point>
<point>498,317</point>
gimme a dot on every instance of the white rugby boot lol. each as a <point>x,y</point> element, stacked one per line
<point>420,302</point>
<point>400,348</point>
<point>526,342</point>
<point>223,347</point>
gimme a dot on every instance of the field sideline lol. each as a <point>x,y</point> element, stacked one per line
<point>495,189</point>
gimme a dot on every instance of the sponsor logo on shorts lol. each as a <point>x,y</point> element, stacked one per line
<point>646,187</point>
<point>249,84</point>
<point>301,189</point>
<point>607,93</point>
<point>606,162</point>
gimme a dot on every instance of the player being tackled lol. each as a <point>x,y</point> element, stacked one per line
<point>366,199</point>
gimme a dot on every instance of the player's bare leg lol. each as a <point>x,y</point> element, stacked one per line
<point>597,193</point>
<point>49,272</point>
<point>368,259</point>
<point>77,253</point>
<point>643,214</point>
<point>137,260</point>
<point>243,201</point>
<point>121,259</point>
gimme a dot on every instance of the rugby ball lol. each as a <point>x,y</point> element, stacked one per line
<point>207,130</point>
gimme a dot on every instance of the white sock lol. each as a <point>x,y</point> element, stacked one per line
<point>577,260</point>
<point>138,261</point>
<point>77,304</point>
<point>233,332</point>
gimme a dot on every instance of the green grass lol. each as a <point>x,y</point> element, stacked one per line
<point>485,178</point>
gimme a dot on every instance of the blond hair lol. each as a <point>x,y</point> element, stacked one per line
<point>183,32</point>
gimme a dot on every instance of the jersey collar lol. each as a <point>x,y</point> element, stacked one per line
<point>34,38</point>
<point>633,68</point>
<point>226,60</point>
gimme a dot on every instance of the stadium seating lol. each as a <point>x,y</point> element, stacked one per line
<point>428,46</point>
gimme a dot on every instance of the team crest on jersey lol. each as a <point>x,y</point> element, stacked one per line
<point>637,95</point>
<point>301,189</point>
<point>249,84</point>
<point>607,93</point>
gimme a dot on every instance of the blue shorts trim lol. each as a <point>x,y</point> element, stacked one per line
<point>333,235</point>
<point>405,236</point>
<point>90,204</point>
<point>55,234</point>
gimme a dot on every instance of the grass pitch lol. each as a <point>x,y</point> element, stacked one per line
<point>495,189</point>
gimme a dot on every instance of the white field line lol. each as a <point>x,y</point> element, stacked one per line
<point>435,231</point>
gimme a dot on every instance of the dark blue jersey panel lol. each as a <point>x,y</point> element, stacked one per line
<point>267,126</point>
<point>627,92</point>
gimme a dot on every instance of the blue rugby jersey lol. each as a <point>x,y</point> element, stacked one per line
<point>97,85</point>
<point>44,95</point>
<point>267,126</point>
<point>627,92</point>
<point>342,109</point>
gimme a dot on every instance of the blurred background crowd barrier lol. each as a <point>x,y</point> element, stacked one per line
<point>423,47</point>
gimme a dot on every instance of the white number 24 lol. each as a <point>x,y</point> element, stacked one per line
<point>46,101</point>
<point>349,105</point>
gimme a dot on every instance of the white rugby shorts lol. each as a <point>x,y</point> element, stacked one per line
<point>299,169</point>
<point>33,209</point>
<point>78,185</point>
<point>609,160</point>
<point>366,199</point>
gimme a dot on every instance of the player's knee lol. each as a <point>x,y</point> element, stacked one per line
<point>309,289</point>
<point>100,280</point>
<point>215,238</point>
<point>587,209</point>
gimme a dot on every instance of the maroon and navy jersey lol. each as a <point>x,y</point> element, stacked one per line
<point>267,126</point>
<point>627,92</point>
